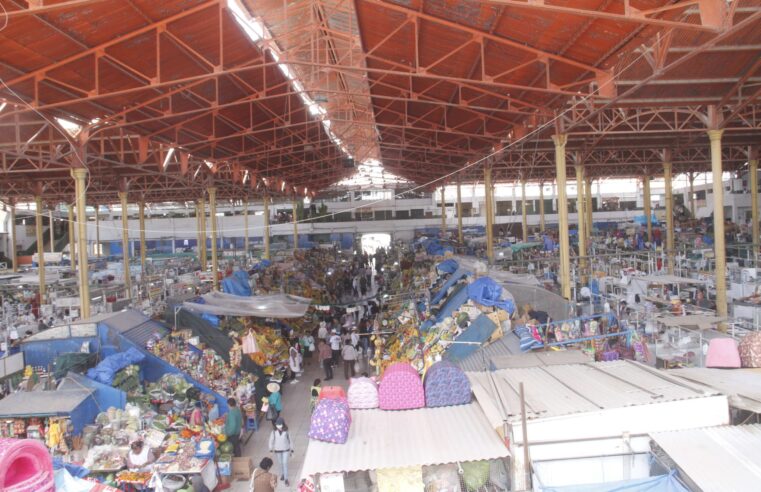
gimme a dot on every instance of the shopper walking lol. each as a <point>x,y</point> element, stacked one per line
<point>233,424</point>
<point>280,445</point>
<point>275,402</point>
<point>314,394</point>
<point>262,480</point>
<point>335,347</point>
<point>349,355</point>
<point>326,359</point>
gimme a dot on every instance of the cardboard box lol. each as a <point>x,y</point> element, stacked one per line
<point>242,468</point>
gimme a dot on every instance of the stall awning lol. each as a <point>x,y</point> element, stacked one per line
<point>271,306</point>
<point>42,403</point>
<point>428,436</point>
<point>717,458</point>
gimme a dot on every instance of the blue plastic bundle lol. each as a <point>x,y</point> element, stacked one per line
<point>447,266</point>
<point>487,292</point>
<point>108,367</point>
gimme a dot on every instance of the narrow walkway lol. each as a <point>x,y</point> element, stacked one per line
<point>297,417</point>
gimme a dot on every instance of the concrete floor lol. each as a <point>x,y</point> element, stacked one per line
<point>297,417</point>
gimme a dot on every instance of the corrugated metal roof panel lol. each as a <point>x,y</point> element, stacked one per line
<point>717,459</point>
<point>428,436</point>
<point>742,386</point>
<point>142,333</point>
<point>42,402</point>
<point>576,388</point>
<point>505,346</point>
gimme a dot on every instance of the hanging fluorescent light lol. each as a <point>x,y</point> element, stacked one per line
<point>198,170</point>
<point>168,157</point>
<point>245,177</point>
<point>2,106</point>
<point>282,186</point>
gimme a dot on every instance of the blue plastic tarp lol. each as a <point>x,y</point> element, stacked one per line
<point>74,470</point>
<point>642,219</point>
<point>549,244</point>
<point>460,273</point>
<point>487,292</point>
<point>236,285</point>
<point>658,483</point>
<point>479,331</point>
<point>108,367</point>
<point>447,266</point>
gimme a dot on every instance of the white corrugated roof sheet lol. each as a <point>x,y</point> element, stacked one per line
<point>717,459</point>
<point>390,439</point>
<point>742,386</point>
<point>577,388</point>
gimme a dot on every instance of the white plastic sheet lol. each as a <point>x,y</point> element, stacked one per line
<point>270,306</point>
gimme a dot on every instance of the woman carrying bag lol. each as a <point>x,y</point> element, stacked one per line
<point>262,480</point>
<point>280,445</point>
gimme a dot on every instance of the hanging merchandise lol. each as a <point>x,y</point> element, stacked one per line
<point>249,345</point>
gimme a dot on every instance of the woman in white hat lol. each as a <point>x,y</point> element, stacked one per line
<point>275,403</point>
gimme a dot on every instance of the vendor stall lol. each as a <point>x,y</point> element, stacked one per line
<point>582,418</point>
<point>423,446</point>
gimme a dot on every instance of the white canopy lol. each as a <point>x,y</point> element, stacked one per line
<point>381,439</point>
<point>271,306</point>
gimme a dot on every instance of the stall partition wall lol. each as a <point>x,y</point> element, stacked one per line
<point>42,353</point>
<point>152,368</point>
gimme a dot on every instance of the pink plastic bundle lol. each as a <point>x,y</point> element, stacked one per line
<point>25,466</point>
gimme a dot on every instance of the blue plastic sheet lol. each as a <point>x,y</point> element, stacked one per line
<point>237,285</point>
<point>108,367</point>
<point>642,219</point>
<point>487,292</point>
<point>447,266</point>
<point>479,331</point>
<point>211,318</point>
<point>549,244</point>
<point>75,470</point>
<point>461,272</point>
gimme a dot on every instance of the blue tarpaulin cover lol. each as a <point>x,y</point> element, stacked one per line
<point>487,292</point>
<point>549,244</point>
<point>108,367</point>
<point>237,284</point>
<point>642,219</point>
<point>461,272</point>
<point>447,266</point>
<point>479,331</point>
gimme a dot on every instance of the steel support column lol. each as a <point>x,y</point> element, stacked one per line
<point>125,244</point>
<point>753,184</point>
<point>80,199</point>
<point>204,252</point>
<point>443,214</point>
<point>72,237</point>
<point>143,256</point>
<point>295,227</point>
<point>565,259</point>
<point>52,231</point>
<point>459,213</point>
<point>245,228</point>
<point>718,223</point>
<point>692,195</point>
<point>667,168</point>
<point>581,227</point>
<point>266,233</point>
<point>213,218</point>
<point>589,222</point>
<point>541,207</point>
<point>40,247</point>
<point>524,211</point>
<point>97,231</point>
<point>14,254</point>
<point>489,213</point>
<point>646,206</point>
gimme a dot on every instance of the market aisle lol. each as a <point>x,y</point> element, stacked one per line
<point>297,416</point>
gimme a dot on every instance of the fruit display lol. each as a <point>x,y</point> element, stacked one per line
<point>133,477</point>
